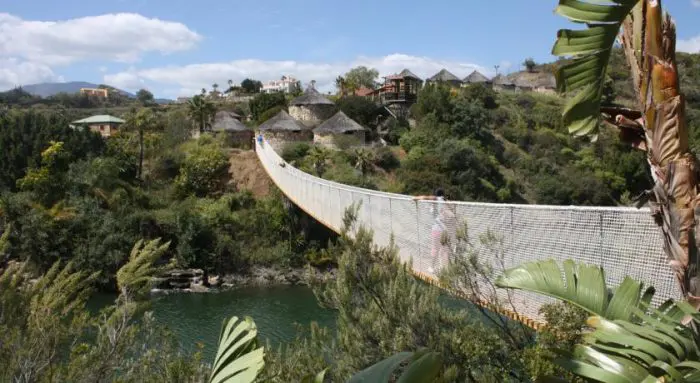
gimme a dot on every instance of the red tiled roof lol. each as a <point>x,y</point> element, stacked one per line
<point>363,92</point>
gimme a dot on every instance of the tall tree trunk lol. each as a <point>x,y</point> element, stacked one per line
<point>141,152</point>
<point>649,42</point>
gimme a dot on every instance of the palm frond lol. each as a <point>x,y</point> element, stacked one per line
<point>238,358</point>
<point>590,51</point>
<point>581,285</point>
<point>421,366</point>
<point>136,277</point>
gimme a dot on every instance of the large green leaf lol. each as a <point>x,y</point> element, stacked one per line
<point>579,284</point>
<point>620,351</point>
<point>238,359</point>
<point>590,51</point>
<point>423,366</point>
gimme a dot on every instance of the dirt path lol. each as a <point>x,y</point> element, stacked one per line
<point>247,173</point>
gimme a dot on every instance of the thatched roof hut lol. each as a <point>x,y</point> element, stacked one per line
<point>282,128</point>
<point>476,78</point>
<point>281,122</point>
<point>228,121</point>
<point>237,134</point>
<point>445,76</point>
<point>339,128</point>
<point>311,108</point>
<point>311,97</point>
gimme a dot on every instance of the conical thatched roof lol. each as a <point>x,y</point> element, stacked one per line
<point>408,73</point>
<point>281,122</point>
<point>311,97</point>
<point>476,77</point>
<point>444,75</point>
<point>338,124</point>
<point>227,121</point>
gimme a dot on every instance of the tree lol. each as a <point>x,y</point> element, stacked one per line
<point>529,64</point>
<point>361,77</point>
<point>365,111</point>
<point>251,86</point>
<point>364,160</point>
<point>203,173</point>
<point>143,120</point>
<point>342,85</point>
<point>201,112</point>
<point>145,97</point>
<point>296,89</point>
<point>648,40</point>
<point>266,101</point>
<point>319,157</point>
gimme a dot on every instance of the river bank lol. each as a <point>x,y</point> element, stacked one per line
<point>193,280</point>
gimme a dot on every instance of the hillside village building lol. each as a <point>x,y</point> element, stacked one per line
<point>445,77</point>
<point>476,78</point>
<point>340,131</point>
<point>103,124</point>
<point>311,108</point>
<point>286,84</point>
<point>229,124</point>
<point>97,92</point>
<point>282,128</point>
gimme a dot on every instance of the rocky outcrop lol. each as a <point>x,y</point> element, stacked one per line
<point>192,280</point>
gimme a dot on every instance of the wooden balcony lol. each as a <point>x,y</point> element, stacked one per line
<point>392,97</point>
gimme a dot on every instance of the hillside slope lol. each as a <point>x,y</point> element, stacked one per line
<point>247,173</point>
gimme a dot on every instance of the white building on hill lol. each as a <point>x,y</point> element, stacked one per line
<point>286,84</point>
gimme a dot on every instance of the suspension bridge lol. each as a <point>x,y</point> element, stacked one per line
<point>624,241</point>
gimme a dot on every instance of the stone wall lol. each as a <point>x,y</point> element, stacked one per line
<point>279,139</point>
<point>312,115</point>
<point>340,141</point>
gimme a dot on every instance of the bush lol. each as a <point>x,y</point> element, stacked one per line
<point>264,102</point>
<point>204,172</point>
<point>294,151</point>
<point>386,159</point>
<point>268,114</point>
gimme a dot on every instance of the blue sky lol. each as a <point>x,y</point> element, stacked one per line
<point>176,47</point>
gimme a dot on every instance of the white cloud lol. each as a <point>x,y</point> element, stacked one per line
<point>120,37</point>
<point>15,72</point>
<point>691,45</point>
<point>191,78</point>
<point>695,3</point>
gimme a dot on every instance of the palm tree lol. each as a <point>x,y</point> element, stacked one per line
<point>648,39</point>
<point>364,161</point>
<point>341,84</point>
<point>318,157</point>
<point>201,111</point>
<point>144,120</point>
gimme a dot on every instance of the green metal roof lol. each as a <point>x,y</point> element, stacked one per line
<point>100,119</point>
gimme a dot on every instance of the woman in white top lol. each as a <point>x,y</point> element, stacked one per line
<point>439,249</point>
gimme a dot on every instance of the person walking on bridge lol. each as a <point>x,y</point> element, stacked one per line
<point>439,237</point>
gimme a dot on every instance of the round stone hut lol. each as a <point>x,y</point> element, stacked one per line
<point>237,134</point>
<point>340,131</point>
<point>311,108</point>
<point>282,128</point>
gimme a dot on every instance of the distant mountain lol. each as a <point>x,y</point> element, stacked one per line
<point>46,89</point>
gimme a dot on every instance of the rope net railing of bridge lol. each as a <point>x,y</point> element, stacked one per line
<point>625,241</point>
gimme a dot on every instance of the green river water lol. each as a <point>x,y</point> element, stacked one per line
<point>197,317</point>
<point>194,317</point>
